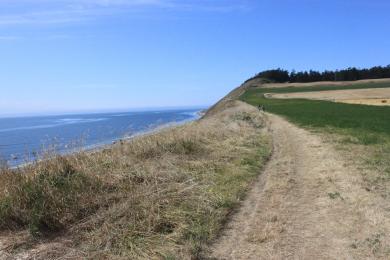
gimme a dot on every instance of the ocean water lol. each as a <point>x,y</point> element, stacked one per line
<point>24,139</point>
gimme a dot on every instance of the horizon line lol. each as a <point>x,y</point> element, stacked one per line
<point>99,111</point>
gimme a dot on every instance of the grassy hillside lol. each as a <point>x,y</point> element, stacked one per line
<point>363,125</point>
<point>161,196</point>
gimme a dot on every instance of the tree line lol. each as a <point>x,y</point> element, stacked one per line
<point>350,74</point>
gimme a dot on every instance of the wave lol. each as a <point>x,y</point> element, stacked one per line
<point>119,115</point>
<point>68,121</point>
<point>190,113</point>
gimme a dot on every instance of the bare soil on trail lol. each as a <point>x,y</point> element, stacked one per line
<point>310,203</point>
<point>373,96</point>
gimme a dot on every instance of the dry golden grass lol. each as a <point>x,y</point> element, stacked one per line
<point>367,101</point>
<point>323,83</point>
<point>369,96</point>
<point>160,196</point>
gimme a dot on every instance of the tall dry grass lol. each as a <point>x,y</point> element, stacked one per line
<point>161,196</point>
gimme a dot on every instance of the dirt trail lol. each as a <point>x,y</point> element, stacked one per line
<point>308,204</point>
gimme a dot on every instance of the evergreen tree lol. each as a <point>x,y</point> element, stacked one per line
<point>349,74</point>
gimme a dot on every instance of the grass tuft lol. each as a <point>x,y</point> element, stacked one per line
<point>49,199</point>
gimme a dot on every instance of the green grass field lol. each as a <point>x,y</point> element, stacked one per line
<point>361,121</point>
<point>356,124</point>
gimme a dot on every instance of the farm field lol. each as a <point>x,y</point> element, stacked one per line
<point>371,96</point>
<point>359,83</point>
<point>368,124</point>
<point>261,87</point>
<point>367,101</point>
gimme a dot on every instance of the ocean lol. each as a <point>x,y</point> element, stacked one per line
<point>24,139</point>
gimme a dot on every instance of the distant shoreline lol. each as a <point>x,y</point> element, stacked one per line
<point>107,145</point>
<point>95,112</point>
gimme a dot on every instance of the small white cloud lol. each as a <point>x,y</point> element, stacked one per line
<point>9,38</point>
<point>66,11</point>
<point>70,11</point>
<point>59,36</point>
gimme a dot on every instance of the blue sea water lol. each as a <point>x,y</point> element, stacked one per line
<point>23,139</point>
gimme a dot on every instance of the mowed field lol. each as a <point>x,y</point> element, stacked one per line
<point>316,110</point>
<point>367,82</point>
<point>370,96</point>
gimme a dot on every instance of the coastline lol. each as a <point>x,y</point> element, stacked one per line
<point>93,148</point>
<point>147,188</point>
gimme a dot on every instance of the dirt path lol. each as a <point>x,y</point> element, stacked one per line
<point>308,204</point>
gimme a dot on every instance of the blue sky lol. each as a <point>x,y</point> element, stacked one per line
<point>95,55</point>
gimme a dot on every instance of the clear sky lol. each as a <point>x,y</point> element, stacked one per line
<point>92,55</point>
